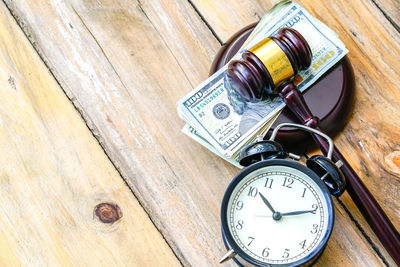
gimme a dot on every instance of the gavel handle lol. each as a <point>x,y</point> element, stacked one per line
<point>366,203</point>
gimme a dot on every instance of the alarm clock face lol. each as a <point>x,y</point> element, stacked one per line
<point>277,212</point>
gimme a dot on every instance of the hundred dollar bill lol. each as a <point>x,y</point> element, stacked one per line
<point>272,17</point>
<point>234,160</point>
<point>192,133</point>
<point>223,118</point>
<point>291,15</point>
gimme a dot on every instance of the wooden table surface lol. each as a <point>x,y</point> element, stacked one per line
<point>88,116</point>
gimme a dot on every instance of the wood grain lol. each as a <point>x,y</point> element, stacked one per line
<point>53,174</point>
<point>371,139</point>
<point>391,10</point>
<point>124,65</point>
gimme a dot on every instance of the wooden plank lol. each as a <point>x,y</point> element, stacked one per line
<point>155,13</point>
<point>120,96</point>
<point>53,174</point>
<point>371,140</point>
<point>391,10</point>
<point>125,65</point>
<point>227,17</point>
<point>185,35</point>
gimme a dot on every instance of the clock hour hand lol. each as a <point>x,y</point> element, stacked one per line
<point>267,202</point>
<point>298,212</point>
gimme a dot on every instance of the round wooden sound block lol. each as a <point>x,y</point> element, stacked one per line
<point>330,98</point>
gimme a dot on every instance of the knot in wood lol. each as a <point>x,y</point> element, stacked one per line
<point>107,212</point>
<point>396,160</point>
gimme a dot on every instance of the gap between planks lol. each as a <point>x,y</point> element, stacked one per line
<point>140,5</point>
<point>387,16</point>
<point>213,32</point>
<point>352,218</point>
<point>94,131</point>
<point>363,233</point>
<point>90,126</point>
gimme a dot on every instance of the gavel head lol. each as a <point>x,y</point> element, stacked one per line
<point>268,64</point>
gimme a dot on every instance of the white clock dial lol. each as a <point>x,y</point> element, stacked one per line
<point>277,214</point>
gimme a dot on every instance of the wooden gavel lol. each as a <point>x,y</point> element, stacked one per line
<point>269,68</point>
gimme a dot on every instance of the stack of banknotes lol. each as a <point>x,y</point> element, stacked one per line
<point>217,117</point>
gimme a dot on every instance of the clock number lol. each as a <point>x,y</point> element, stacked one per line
<point>288,182</point>
<point>304,192</point>
<point>303,243</point>
<point>239,225</point>
<point>251,240</point>
<point>286,253</point>
<point>315,207</point>
<point>239,205</point>
<point>265,252</point>
<point>253,191</point>
<point>268,182</point>
<point>315,228</point>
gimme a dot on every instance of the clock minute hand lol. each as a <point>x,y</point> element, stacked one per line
<point>267,203</point>
<point>298,212</point>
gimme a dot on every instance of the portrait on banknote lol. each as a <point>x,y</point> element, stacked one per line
<point>250,113</point>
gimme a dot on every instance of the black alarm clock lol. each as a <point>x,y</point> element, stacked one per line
<point>277,211</point>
